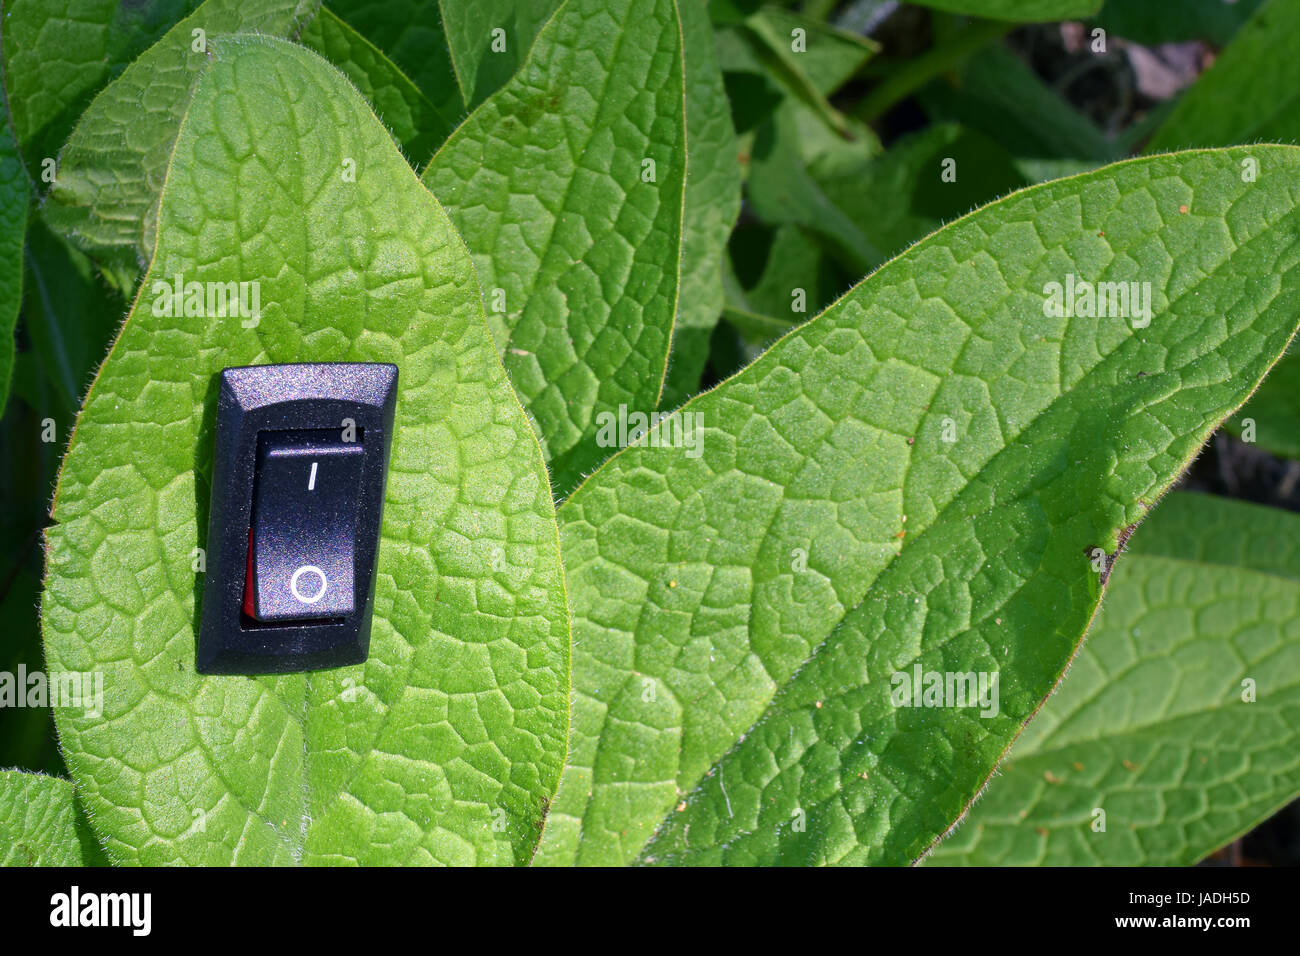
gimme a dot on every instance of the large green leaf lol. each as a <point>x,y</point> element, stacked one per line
<point>417,124</point>
<point>40,825</point>
<point>112,169</point>
<point>1178,717</point>
<point>106,194</point>
<point>712,204</point>
<point>567,186</point>
<point>447,744</point>
<point>1251,93</point>
<point>488,40</point>
<point>739,615</point>
<point>14,198</point>
<point>59,53</point>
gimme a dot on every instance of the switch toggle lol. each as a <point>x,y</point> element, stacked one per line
<point>299,463</point>
<point>304,526</point>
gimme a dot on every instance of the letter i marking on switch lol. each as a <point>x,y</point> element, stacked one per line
<point>311,480</point>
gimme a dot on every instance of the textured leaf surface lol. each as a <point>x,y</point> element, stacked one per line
<point>59,53</point>
<point>446,745</point>
<point>416,123</point>
<point>1150,726</point>
<point>39,824</point>
<point>112,170</point>
<point>544,182</point>
<point>13,222</point>
<point>738,616</point>
<point>712,204</point>
<point>1251,93</point>
<point>488,40</point>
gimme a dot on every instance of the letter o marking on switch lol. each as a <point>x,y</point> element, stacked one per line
<point>293,584</point>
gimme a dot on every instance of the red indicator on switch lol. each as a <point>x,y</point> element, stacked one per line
<point>249,607</point>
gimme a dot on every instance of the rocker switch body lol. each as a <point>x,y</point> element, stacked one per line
<point>303,544</point>
<point>299,462</point>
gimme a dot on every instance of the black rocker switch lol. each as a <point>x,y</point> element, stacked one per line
<point>301,455</point>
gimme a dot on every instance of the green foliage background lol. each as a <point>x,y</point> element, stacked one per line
<point>821,231</point>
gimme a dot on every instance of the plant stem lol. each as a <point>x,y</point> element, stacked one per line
<point>916,73</point>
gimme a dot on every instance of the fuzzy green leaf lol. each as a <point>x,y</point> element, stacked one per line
<point>1152,726</point>
<point>1251,93</point>
<point>59,53</point>
<point>447,744</point>
<point>416,123</point>
<point>105,195</point>
<point>739,616</point>
<point>40,824</point>
<point>567,185</point>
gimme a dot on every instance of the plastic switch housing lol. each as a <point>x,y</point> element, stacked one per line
<point>300,461</point>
